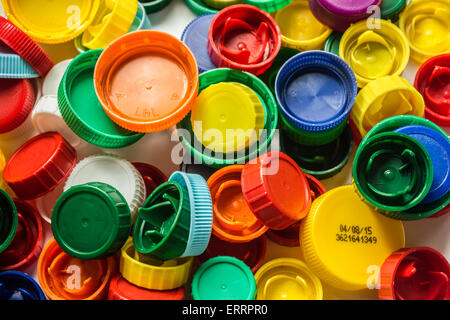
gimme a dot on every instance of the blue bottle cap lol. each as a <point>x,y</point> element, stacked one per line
<point>16,285</point>
<point>13,66</point>
<point>315,90</point>
<point>195,36</point>
<point>201,212</point>
<point>200,169</point>
<point>438,148</point>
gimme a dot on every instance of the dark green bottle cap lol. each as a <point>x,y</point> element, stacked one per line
<point>81,109</point>
<point>269,5</point>
<point>393,172</point>
<point>154,5</point>
<point>333,42</point>
<point>390,9</point>
<point>322,161</point>
<point>8,220</point>
<point>199,7</point>
<point>161,230</point>
<point>91,221</point>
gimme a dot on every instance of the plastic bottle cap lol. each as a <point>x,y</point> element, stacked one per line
<point>199,7</point>
<point>195,36</point>
<point>152,176</point>
<point>141,20</point>
<point>324,161</point>
<point>8,220</point>
<point>384,98</point>
<point>53,78</point>
<point>28,239</point>
<point>199,169</point>
<point>3,184</point>
<point>269,5</point>
<point>289,236</point>
<point>39,165</point>
<point>17,100</point>
<point>276,190</point>
<point>216,160</point>
<point>438,147</point>
<point>223,278</point>
<point>113,19</point>
<point>340,14</point>
<point>390,9</point>
<point>121,289</point>
<point>64,277</point>
<point>374,52</point>
<point>13,66</point>
<point>152,6</point>
<point>432,83</point>
<point>287,279</point>
<point>16,285</point>
<point>441,212</point>
<point>81,109</point>
<point>393,172</point>
<point>419,273</point>
<point>201,212</point>
<point>91,221</point>
<point>221,4</point>
<point>426,26</point>
<point>315,91</point>
<point>223,107</point>
<point>299,28</point>
<point>252,253</point>
<point>244,37</point>
<point>342,247</point>
<point>145,272</point>
<point>233,220</point>
<point>162,227</point>
<point>145,88</point>
<point>332,43</point>
<point>114,171</point>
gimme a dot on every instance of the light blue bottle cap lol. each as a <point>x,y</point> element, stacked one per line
<point>13,66</point>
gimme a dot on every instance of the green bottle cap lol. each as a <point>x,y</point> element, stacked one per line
<point>152,6</point>
<point>333,42</point>
<point>269,5</point>
<point>270,75</point>
<point>161,230</point>
<point>81,110</point>
<point>8,220</point>
<point>199,7</point>
<point>390,9</point>
<point>220,4</point>
<point>91,221</point>
<point>223,278</point>
<point>393,172</point>
<point>322,161</point>
<point>199,153</point>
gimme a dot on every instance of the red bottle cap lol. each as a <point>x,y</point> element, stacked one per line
<point>251,253</point>
<point>419,273</point>
<point>121,289</point>
<point>357,138</point>
<point>152,176</point>
<point>29,50</point>
<point>289,237</point>
<point>17,100</point>
<point>244,37</point>
<point>276,190</point>
<point>28,241</point>
<point>39,165</point>
<point>433,82</point>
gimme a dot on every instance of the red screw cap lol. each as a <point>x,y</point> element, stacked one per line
<point>276,190</point>
<point>244,37</point>
<point>39,165</point>
<point>419,273</point>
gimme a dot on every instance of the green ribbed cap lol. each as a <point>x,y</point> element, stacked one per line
<point>8,220</point>
<point>81,109</point>
<point>91,221</point>
<point>333,42</point>
<point>154,5</point>
<point>390,9</point>
<point>161,230</point>
<point>269,5</point>
<point>199,7</point>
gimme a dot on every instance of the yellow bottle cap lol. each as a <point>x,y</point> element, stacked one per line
<point>426,25</point>
<point>345,242</point>
<point>113,19</point>
<point>287,279</point>
<point>49,21</point>
<point>227,106</point>
<point>383,98</point>
<point>299,28</point>
<point>2,166</point>
<point>148,273</point>
<point>374,50</point>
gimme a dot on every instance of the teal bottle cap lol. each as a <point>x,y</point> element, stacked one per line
<point>223,278</point>
<point>91,221</point>
<point>8,220</point>
<point>81,109</point>
<point>199,7</point>
<point>201,212</point>
<point>390,9</point>
<point>269,5</point>
<point>392,172</point>
<point>333,42</point>
<point>152,6</point>
<point>13,66</point>
<point>162,227</point>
